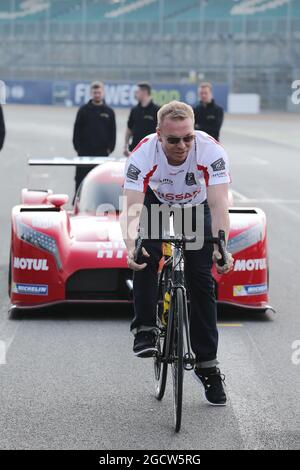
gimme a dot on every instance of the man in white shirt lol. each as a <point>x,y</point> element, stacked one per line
<point>178,165</point>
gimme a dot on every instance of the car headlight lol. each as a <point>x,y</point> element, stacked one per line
<point>244,240</point>
<point>39,240</point>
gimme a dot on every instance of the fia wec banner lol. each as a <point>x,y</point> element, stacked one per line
<point>117,94</point>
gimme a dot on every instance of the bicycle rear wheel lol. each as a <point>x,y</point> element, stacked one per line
<point>177,353</point>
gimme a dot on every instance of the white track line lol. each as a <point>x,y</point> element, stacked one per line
<point>42,175</point>
<point>253,162</point>
<point>8,331</point>
<point>239,196</point>
<point>272,140</point>
<point>7,336</point>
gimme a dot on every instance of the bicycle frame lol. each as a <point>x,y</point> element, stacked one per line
<point>176,281</point>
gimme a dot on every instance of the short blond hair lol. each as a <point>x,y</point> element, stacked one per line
<point>175,110</point>
<point>206,85</point>
<point>97,84</point>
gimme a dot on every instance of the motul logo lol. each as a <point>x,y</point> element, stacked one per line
<point>250,264</point>
<point>29,264</point>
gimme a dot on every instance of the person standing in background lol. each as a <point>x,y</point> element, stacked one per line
<point>142,118</point>
<point>208,115</point>
<point>2,128</point>
<point>94,130</point>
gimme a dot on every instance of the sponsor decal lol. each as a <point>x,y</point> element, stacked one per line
<point>30,289</point>
<point>31,264</point>
<point>166,181</point>
<point>250,264</point>
<point>110,250</point>
<point>220,174</point>
<point>43,222</point>
<point>177,197</point>
<point>190,179</point>
<point>251,289</point>
<point>133,172</point>
<point>218,165</point>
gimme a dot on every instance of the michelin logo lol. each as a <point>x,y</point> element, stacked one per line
<point>31,264</point>
<point>30,289</point>
<point>253,289</point>
<point>250,264</point>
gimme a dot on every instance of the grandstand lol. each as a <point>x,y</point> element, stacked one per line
<point>253,45</point>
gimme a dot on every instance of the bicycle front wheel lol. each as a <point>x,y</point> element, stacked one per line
<point>160,367</point>
<point>160,364</point>
<point>177,356</point>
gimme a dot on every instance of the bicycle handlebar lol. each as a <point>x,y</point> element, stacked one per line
<point>220,241</point>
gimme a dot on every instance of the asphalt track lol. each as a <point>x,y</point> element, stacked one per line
<point>69,379</point>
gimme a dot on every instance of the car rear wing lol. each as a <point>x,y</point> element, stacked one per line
<point>72,161</point>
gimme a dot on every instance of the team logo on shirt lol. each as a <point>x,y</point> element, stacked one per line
<point>133,172</point>
<point>190,179</point>
<point>218,165</point>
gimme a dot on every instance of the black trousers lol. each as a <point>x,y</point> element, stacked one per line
<point>203,311</point>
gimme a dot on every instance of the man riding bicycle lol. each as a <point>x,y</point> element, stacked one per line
<point>178,165</point>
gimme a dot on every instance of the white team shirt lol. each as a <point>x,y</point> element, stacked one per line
<point>206,165</point>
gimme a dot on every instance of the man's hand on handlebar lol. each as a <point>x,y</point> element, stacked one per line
<point>133,262</point>
<point>227,266</point>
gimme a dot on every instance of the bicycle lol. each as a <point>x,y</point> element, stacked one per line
<point>173,341</point>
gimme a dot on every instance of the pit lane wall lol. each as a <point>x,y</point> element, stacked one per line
<point>117,94</point>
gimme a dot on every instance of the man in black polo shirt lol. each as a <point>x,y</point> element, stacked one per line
<point>94,130</point>
<point>142,119</point>
<point>2,128</point>
<point>208,115</point>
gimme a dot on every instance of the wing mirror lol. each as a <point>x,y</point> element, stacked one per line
<point>58,200</point>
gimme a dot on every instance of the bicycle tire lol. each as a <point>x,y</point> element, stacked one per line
<point>177,364</point>
<point>161,368</point>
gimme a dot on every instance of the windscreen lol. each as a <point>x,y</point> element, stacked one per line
<point>97,197</point>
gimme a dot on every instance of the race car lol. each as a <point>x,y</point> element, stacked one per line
<point>62,256</point>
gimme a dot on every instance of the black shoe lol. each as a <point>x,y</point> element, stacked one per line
<point>212,380</point>
<point>145,344</point>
